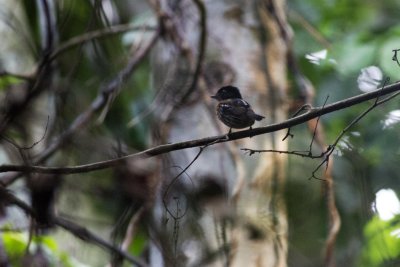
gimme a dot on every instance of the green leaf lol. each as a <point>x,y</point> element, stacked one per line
<point>382,242</point>
<point>14,243</point>
<point>8,80</point>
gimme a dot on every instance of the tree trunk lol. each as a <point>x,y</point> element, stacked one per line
<point>227,208</point>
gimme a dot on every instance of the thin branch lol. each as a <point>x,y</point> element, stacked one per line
<point>311,29</point>
<point>303,154</point>
<point>177,217</point>
<point>301,109</point>
<point>201,48</point>
<point>88,236</point>
<point>9,140</point>
<point>102,33</point>
<point>316,127</point>
<point>166,148</point>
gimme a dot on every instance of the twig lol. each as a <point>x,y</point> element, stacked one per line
<point>27,147</point>
<point>166,148</point>
<point>288,133</point>
<point>177,217</point>
<point>310,28</point>
<point>394,58</point>
<point>132,229</point>
<point>102,33</point>
<point>316,127</point>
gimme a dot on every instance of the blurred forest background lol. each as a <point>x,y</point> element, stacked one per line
<point>93,80</point>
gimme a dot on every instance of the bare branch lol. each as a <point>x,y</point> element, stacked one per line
<point>7,197</point>
<point>86,235</point>
<point>162,149</point>
<point>102,33</point>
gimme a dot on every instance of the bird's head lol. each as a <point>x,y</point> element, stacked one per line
<point>227,92</point>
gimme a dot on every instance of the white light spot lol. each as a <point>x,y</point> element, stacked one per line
<point>369,79</point>
<point>317,57</point>
<point>387,204</point>
<point>395,233</point>
<point>392,117</point>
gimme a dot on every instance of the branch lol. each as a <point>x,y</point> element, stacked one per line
<point>89,36</point>
<point>201,47</point>
<point>332,147</point>
<point>166,148</point>
<point>86,235</point>
<point>7,197</point>
<point>329,150</point>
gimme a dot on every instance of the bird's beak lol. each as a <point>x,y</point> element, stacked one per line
<point>214,96</point>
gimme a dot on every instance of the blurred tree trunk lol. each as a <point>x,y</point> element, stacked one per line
<point>227,209</point>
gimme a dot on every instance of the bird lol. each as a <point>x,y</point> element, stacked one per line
<point>232,110</point>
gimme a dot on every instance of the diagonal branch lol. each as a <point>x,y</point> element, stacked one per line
<point>162,149</point>
<point>7,197</point>
<point>86,235</point>
<point>102,33</point>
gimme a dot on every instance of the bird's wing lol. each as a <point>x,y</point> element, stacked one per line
<point>235,107</point>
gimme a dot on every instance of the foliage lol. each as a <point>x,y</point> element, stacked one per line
<point>382,243</point>
<point>16,243</point>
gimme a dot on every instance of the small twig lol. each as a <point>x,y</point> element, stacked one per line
<point>132,229</point>
<point>394,58</point>
<point>303,154</point>
<point>176,217</point>
<point>201,149</point>
<point>316,126</point>
<point>301,109</point>
<point>27,147</point>
<point>313,31</point>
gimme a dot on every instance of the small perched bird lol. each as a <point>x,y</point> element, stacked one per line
<point>232,110</point>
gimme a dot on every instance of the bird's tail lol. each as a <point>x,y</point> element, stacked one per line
<point>258,117</point>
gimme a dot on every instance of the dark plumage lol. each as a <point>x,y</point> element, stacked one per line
<point>233,111</point>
